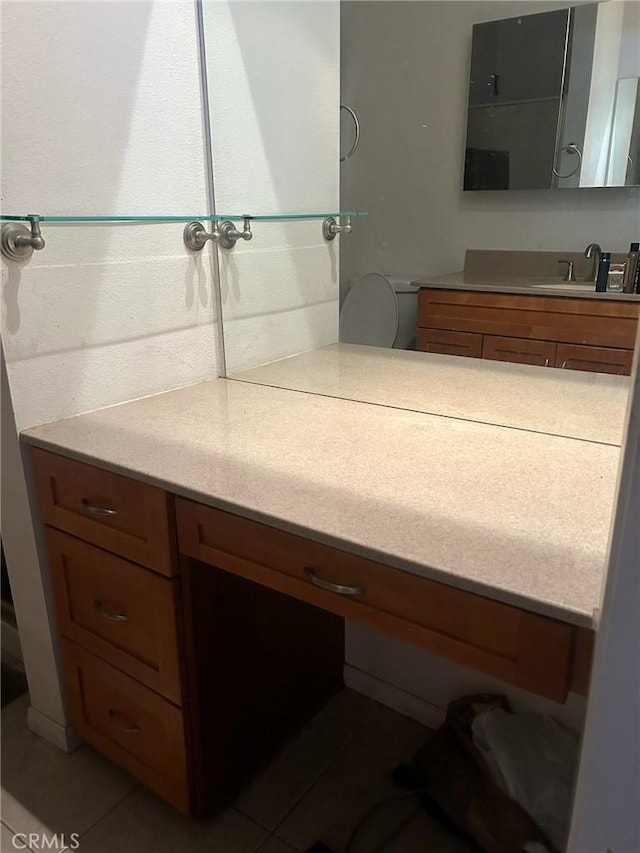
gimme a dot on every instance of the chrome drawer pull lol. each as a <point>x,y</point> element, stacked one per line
<point>332,587</point>
<point>121,722</point>
<point>97,510</point>
<point>110,614</point>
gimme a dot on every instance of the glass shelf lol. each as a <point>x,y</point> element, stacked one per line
<point>218,217</point>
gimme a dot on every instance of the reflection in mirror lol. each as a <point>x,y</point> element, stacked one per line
<point>515,99</point>
<point>465,305</point>
<point>552,99</point>
<point>623,167</point>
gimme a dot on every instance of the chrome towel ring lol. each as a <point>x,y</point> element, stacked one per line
<point>571,148</point>
<point>356,140</point>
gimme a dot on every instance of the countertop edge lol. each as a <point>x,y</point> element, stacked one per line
<point>540,607</point>
<point>445,282</point>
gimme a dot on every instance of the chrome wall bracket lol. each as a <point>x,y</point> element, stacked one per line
<point>18,243</point>
<point>224,233</point>
<point>330,227</point>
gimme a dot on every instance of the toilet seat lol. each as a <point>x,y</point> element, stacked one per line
<point>369,313</point>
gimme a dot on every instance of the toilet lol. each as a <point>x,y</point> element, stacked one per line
<point>380,311</point>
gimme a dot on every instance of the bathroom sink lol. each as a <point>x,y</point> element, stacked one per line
<point>568,286</point>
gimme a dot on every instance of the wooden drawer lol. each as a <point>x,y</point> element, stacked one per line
<point>449,343</point>
<point>131,725</point>
<point>119,611</point>
<point>520,647</point>
<point>122,515</point>
<point>596,359</point>
<point>600,322</point>
<point>520,351</point>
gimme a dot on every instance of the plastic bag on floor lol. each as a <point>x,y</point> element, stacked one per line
<point>534,759</point>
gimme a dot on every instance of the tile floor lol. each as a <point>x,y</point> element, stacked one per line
<point>316,789</point>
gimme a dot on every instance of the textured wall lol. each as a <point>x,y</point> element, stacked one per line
<point>273,71</point>
<point>106,121</point>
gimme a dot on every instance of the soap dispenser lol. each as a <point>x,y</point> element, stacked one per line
<point>603,272</point>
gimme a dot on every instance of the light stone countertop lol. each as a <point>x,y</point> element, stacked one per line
<point>500,283</point>
<point>519,516</point>
<point>571,403</point>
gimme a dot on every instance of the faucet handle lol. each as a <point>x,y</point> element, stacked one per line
<point>569,275</point>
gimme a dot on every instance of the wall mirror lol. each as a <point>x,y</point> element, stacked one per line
<point>552,100</point>
<point>404,69</point>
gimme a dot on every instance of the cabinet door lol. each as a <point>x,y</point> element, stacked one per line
<point>130,724</point>
<point>595,359</point>
<point>519,350</point>
<point>117,610</point>
<point>117,513</point>
<point>449,343</point>
<point>531,651</point>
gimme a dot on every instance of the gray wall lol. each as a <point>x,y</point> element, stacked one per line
<point>405,68</point>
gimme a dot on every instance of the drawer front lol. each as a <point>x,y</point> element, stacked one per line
<point>600,322</point>
<point>128,723</point>
<point>114,512</point>
<point>121,612</point>
<point>596,359</point>
<point>449,343</point>
<point>512,644</point>
<point>520,351</point>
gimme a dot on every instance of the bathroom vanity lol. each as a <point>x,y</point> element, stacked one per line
<point>536,318</point>
<point>203,563</point>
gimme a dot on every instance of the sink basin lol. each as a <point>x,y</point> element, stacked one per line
<point>568,286</point>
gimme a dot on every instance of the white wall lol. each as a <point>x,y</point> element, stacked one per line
<point>273,70</point>
<point>101,114</point>
<point>405,68</point>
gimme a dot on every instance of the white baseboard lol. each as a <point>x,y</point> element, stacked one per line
<point>393,697</point>
<point>10,640</point>
<point>59,735</point>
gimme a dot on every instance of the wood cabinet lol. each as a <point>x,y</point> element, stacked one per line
<point>550,331</point>
<point>449,343</point>
<point>187,678</point>
<point>120,618</point>
<point>189,665</point>
<point>124,516</point>
<point>519,647</point>
<point>519,350</point>
<point>599,359</point>
<point>131,725</point>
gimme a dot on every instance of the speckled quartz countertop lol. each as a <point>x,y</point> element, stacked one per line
<point>531,285</point>
<point>520,516</point>
<point>571,403</point>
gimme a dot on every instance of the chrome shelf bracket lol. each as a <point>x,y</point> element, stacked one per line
<point>18,242</point>
<point>330,227</point>
<point>224,233</point>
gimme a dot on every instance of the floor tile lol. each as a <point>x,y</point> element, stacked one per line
<point>6,839</point>
<point>421,833</point>
<point>15,734</point>
<point>144,824</point>
<point>369,720</point>
<point>273,793</point>
<point>275,845</point>
<point>356,780</point>
<point>44,788</point>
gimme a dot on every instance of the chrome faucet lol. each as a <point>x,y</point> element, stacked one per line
<point>594,251</point>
